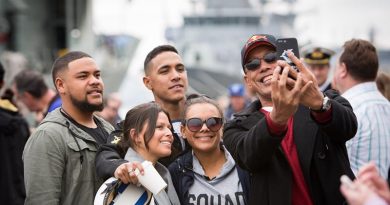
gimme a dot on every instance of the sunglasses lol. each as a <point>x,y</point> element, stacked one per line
<point>256,62</point>
<point>196,124</point>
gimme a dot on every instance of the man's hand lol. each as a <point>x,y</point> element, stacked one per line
<point>125,172</point>
<point>312,97</point>
<point>285,100</point>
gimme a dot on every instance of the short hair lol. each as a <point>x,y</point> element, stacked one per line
<point>136,118</point>
<point>32,82</point>
<point>62,62</point>
<point>361,59</point>
<point>193,99</point>
<point>2,71</point>
<point>156,51</point>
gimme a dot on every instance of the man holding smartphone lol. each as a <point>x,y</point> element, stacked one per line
<point>292,139</point>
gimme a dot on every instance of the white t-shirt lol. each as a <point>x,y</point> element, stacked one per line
<point>176,128</point>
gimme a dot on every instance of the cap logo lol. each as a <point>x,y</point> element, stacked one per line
<point>255,38</point>
<point>317,54</point>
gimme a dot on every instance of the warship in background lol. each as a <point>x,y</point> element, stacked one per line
<point>212,36</point>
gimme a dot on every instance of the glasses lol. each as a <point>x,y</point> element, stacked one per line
<point>196,124</point>
<point>256,62</point>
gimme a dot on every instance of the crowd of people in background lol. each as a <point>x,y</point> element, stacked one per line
<point>287,136</point>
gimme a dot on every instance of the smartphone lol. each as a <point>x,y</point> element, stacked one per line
<point>285,44</point>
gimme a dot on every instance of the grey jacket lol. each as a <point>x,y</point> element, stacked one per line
<point>57,169</point>
<point>166,197</point>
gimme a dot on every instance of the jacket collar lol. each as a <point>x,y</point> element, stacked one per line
<point>57,117</point>
<point>254,106</point>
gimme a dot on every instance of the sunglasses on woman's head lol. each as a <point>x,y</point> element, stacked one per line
<point>256,62</point>
<point>196,124</point>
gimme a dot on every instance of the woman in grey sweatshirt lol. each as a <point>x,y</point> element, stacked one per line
<point>208,174</point>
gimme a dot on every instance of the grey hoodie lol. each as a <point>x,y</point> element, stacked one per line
<point>167,196</point>
<point>57,169</point>
<point>225,188</point>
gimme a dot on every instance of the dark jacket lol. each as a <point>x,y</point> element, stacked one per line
<point>14,133</point>
<point>183,176</point>
<point>320,147</point>
<point>110,156</point>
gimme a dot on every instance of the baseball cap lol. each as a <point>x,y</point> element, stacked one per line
<point>317,55</point>
<point>255,41</point>
<point>236,89</point>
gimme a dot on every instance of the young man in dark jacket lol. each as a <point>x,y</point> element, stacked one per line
<point>166,77</point>
<point>293,141</point>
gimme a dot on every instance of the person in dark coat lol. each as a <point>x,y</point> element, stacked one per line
<point>14,133</point>
<point>293,141</point>
<point>166,77</point>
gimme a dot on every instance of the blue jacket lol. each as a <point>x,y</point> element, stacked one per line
<point>183,176</point>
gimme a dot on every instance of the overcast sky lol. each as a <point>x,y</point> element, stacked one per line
<point>331,22</point>
<point>325,22</point>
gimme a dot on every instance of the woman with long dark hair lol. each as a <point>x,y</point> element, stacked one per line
<point>147,136</point>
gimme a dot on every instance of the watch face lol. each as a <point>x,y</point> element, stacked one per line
<point>326,104</point>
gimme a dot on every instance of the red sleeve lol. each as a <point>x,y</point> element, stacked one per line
<point>274,128</point>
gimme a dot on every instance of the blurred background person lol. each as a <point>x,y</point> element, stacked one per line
<point>237,100</point>
<point>354,77</point>
<point>31,89</point>
<point>14,133</point>
<point>111,108</point>
<point>383,83</point>
<point>317,60</point>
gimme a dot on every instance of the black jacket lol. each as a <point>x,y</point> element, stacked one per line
<point>109,156</point>
<point>320,147</point>
<point>183,177</point>
<point>14,133</point>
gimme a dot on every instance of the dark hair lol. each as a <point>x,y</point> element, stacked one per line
<point>361,59</point>
<point>62,62</point>
<point>193,99</point>
<point>32,82</point>
<point>2,71</point>
<point>156,51</point>
<point>136,118</point>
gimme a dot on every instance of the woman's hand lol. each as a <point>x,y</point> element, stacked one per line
<point>126,172</point>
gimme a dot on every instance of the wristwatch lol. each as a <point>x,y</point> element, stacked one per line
<point>325,105</point>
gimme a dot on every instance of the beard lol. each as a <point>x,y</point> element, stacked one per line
<point>84,105</point>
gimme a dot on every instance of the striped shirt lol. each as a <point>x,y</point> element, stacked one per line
<point>372,140</point>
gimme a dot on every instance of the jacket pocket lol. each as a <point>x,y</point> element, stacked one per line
<point>81,159</point>
<point>81,146</point>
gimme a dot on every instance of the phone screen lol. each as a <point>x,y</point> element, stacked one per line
<point>285,44</point>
